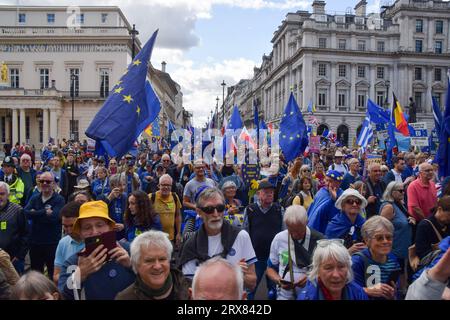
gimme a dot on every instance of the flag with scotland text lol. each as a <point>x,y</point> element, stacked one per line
<point>131,106</point>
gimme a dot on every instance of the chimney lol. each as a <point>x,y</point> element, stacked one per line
<point>360,8</point>
<point>318,7</point>
<point>163,66</point>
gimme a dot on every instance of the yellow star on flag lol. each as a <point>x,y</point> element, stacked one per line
<point>138,110</point>
<point>118,83</point>
<point>118,90</point>
<point>127,98</point>
<point>137,62</point>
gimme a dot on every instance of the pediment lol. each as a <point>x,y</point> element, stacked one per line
<point>363,83</point>
<point>343,83</point>
<point>323,82</point>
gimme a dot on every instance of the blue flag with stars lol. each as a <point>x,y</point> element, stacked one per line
<point>236,120</point>
<point>293,131</point>
<point>131,106</point>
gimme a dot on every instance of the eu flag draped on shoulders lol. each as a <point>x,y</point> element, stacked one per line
<point>293,131</point>
<point>129,109</point>
<point>443,154</point>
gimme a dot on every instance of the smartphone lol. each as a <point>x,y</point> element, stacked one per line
<point>393,277</point>
<point>282,281</point>
<point>107,239</point>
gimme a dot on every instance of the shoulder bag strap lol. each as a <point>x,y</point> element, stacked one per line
<point>435,230</point>
<point>291,267</point>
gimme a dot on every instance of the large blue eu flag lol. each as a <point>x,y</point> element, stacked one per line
<point>443,154</point>
<point>293,131</point>
<point>131,106</point>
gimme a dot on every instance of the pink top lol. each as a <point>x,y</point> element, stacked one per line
<point>422,196</point>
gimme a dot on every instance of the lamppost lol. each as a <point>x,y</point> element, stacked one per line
<point>73,77</point>
<point>217,113</point>
<point>133,34</point>
<point>388,83</point>
<point>223,84</point>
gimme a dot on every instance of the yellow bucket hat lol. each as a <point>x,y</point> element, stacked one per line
<point>92,209</point>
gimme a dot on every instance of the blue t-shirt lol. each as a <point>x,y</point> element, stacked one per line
<point>67,247</point>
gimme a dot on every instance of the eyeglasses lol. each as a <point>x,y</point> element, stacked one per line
<point>307,170</point>
<point>166,160</point>
<point>428,170</point>
<point>211,209</point>
<point>353,201</point>
<point>165,185</point>
<point>381,237</point>
<point>46,181</point>
<point>326,242</point>
<point>400,190</point>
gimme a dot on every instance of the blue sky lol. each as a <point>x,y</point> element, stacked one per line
<point>206,41</point>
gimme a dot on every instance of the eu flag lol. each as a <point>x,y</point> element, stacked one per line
<point>443,154</point>
<point>377,114</point>
<point>235,121</point>
<point>131,106</point>
<point>293,131</point>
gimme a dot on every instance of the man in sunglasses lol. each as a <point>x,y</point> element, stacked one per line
<point>216,238</point>
<point>375,187</point>
<point>43,210</point>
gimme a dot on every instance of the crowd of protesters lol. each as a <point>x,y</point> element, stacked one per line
<point>328,226</point>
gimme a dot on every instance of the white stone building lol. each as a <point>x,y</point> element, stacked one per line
<point>337,61</point>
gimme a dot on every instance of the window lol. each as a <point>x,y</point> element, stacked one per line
<point>322,42</point>
<point>418,45</point>
<point>73,126</point>
<point>41,130</point>
<point>438,74</point>
<point>380,72</point>
<point>361,45</point>
<point>361,71</point>
<point>438,47</point>
<point>50,18</point>
<point>342,44</point>
<point>27,128</point>
<point>361,99</point>
<point>80,18</point>
<point>419,25</point>
<point>439,26</point>
<point>418,100</point>
<point>380,46</point>
<point>74,85</point>
<point>104,17</point>
<point>380,98</point>
<point>44,78</point>
<point>14,77</point>
<point>342,98</point>
<point>342,70</point>
<point>322,97</point>
<point>104,83</point>
<point>3,123</point>
<point>417,73</point>
<point>322,69</point>
<point>22,17</point>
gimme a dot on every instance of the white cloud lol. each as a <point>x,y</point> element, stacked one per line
<point>374,7</point>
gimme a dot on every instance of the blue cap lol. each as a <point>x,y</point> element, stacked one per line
<point>336,175</point>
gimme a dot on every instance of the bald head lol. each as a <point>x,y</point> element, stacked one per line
<point>426,172</point>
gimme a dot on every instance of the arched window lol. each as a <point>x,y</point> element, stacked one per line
<point>342,134</point>
<point>321,128</point>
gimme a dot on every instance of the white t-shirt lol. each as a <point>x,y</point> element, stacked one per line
<point>279,256</point>
<point>242,248</point>
<point>338,167</point>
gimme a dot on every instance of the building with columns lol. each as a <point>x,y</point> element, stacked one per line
<point>337,61</point>
<point>52,52</point>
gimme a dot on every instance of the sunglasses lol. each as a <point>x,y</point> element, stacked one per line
<point>46,181</point>
<point>353,201</point>
<point>381,237</point>
<point>211,209</point>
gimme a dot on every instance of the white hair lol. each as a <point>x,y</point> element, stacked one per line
<point>217,261</point>
<point>4,185</point>
<point>334,251</point>
<point>167,177</point>
<point>149,238</point>
<point>295,214</point>
<point>374,224</point>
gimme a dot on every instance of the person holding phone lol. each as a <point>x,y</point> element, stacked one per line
<point>100,272</point>
<point>376,268</point>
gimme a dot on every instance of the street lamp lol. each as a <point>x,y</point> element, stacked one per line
<point>223,84</point>
<point>73,77</point>
<point>217,113</point>
<point>388,83</point>
<point>133,34</point>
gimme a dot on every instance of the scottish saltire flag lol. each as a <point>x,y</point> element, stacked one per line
<point>131,106</point>
<point>377,114</point>
<point>398,117</point>
<point>293,131</point>
<point>311,107</point>
<point>437,114</point>
<point>443,154</point>
<point>366,134</point>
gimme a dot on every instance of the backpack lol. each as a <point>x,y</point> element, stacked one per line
<point>287,201</point>
<point>174,195</point>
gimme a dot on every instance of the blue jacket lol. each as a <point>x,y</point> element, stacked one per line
<point>443,246</point>
<point>133,231</point>
<point>322,210</point>
<point>45,229</point>
<point>340,226</point>
<point>351,291</point>
<point>98,188</point>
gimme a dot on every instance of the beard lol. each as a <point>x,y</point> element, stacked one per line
<point>215,225</point>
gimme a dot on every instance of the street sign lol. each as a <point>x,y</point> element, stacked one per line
<point>419,137</point>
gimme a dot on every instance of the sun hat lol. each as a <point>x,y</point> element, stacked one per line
<point>82,184</point>
<point>92,209</point>
<point>334,174</point>
<point>350,193</point>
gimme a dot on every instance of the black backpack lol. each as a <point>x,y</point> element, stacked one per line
<point>287,201</point>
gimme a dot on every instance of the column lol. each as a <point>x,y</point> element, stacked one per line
<point>373,44</point>
<point>353,86</point>
<point>333,87</point>
<point>429,82</point>
<point>53,124</point>
<point>372,92</point>
<point>308,72</point>
<point>7,129</point>
<point>430,29</point>
<point>409,88</point>
<point>44,126</point>
<point>15,128</point>
<point>22,126</point>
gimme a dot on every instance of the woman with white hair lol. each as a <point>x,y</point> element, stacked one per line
<point>331,276</point>
<point>291,252</point>
<point>151,252</point>
<point>347,223</point>
<point>376,269</point>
